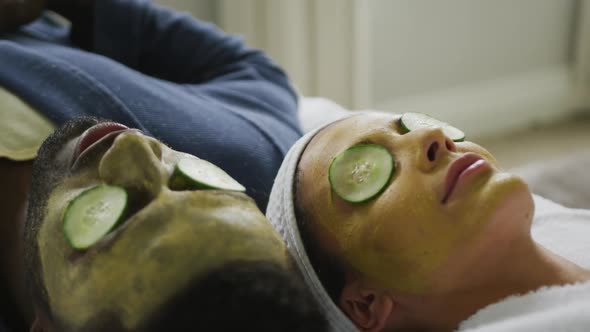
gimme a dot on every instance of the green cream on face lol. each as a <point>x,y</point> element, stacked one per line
<point>176,237</point>
<point>404,238</point>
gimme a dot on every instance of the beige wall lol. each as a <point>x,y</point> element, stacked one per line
<point>474,63</point>
<point>419,46</point>
<point>202,9</point>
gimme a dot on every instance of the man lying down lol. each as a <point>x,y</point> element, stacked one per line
<point>122,232</point>
<point>399,224</point>
<point>125,234</point>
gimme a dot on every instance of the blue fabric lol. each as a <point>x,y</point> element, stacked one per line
<point>182,81</point>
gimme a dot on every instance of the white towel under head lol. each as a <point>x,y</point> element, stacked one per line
<point>566,232</point>
<point>550,309</point>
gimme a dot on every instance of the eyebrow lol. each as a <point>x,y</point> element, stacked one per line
<point>395,124</point>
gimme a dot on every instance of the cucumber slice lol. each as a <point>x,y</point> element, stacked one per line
<point>201,174</point>
<point>361,172</point>
<point>93,214</point>
<point>413,121</point>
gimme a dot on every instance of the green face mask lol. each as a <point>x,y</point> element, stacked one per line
<point>165,239</point>
<point>408,235</point>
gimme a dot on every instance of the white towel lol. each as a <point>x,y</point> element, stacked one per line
<point>566,232</point>
<point>551,309</point>
<point>563,230</point>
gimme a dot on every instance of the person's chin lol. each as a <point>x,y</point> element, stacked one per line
<point>48,169</point>
<point>507,184</point>
<point>56,143</point>
<point>487,196</point>
<point>508,203</point>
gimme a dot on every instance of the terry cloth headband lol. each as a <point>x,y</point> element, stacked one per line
<point>281,214</point>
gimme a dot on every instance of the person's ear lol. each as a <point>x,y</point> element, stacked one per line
<point>368,308</point>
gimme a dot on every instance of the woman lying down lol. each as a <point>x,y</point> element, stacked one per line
<point>397,223</point>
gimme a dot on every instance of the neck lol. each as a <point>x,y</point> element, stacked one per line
<point>524,267</point>
<point>15,178</point>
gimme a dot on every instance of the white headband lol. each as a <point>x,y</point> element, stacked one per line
<point>281,214</point>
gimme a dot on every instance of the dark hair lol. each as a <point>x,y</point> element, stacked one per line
<point>241,296</point>
<point>328,267</point>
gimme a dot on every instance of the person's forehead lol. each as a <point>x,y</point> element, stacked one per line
<point>354,128</point>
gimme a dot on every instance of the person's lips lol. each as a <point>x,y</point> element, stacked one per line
<point>461,171</point>
<point>95,134</point>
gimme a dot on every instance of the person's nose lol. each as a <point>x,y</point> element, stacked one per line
<point>133,162</point>
<point>431,146</point>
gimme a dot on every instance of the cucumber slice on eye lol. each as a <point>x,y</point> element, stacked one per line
<point>93,214</point>
<point>200,174</point>
<point>413,121</point>
<point>361,172</point>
